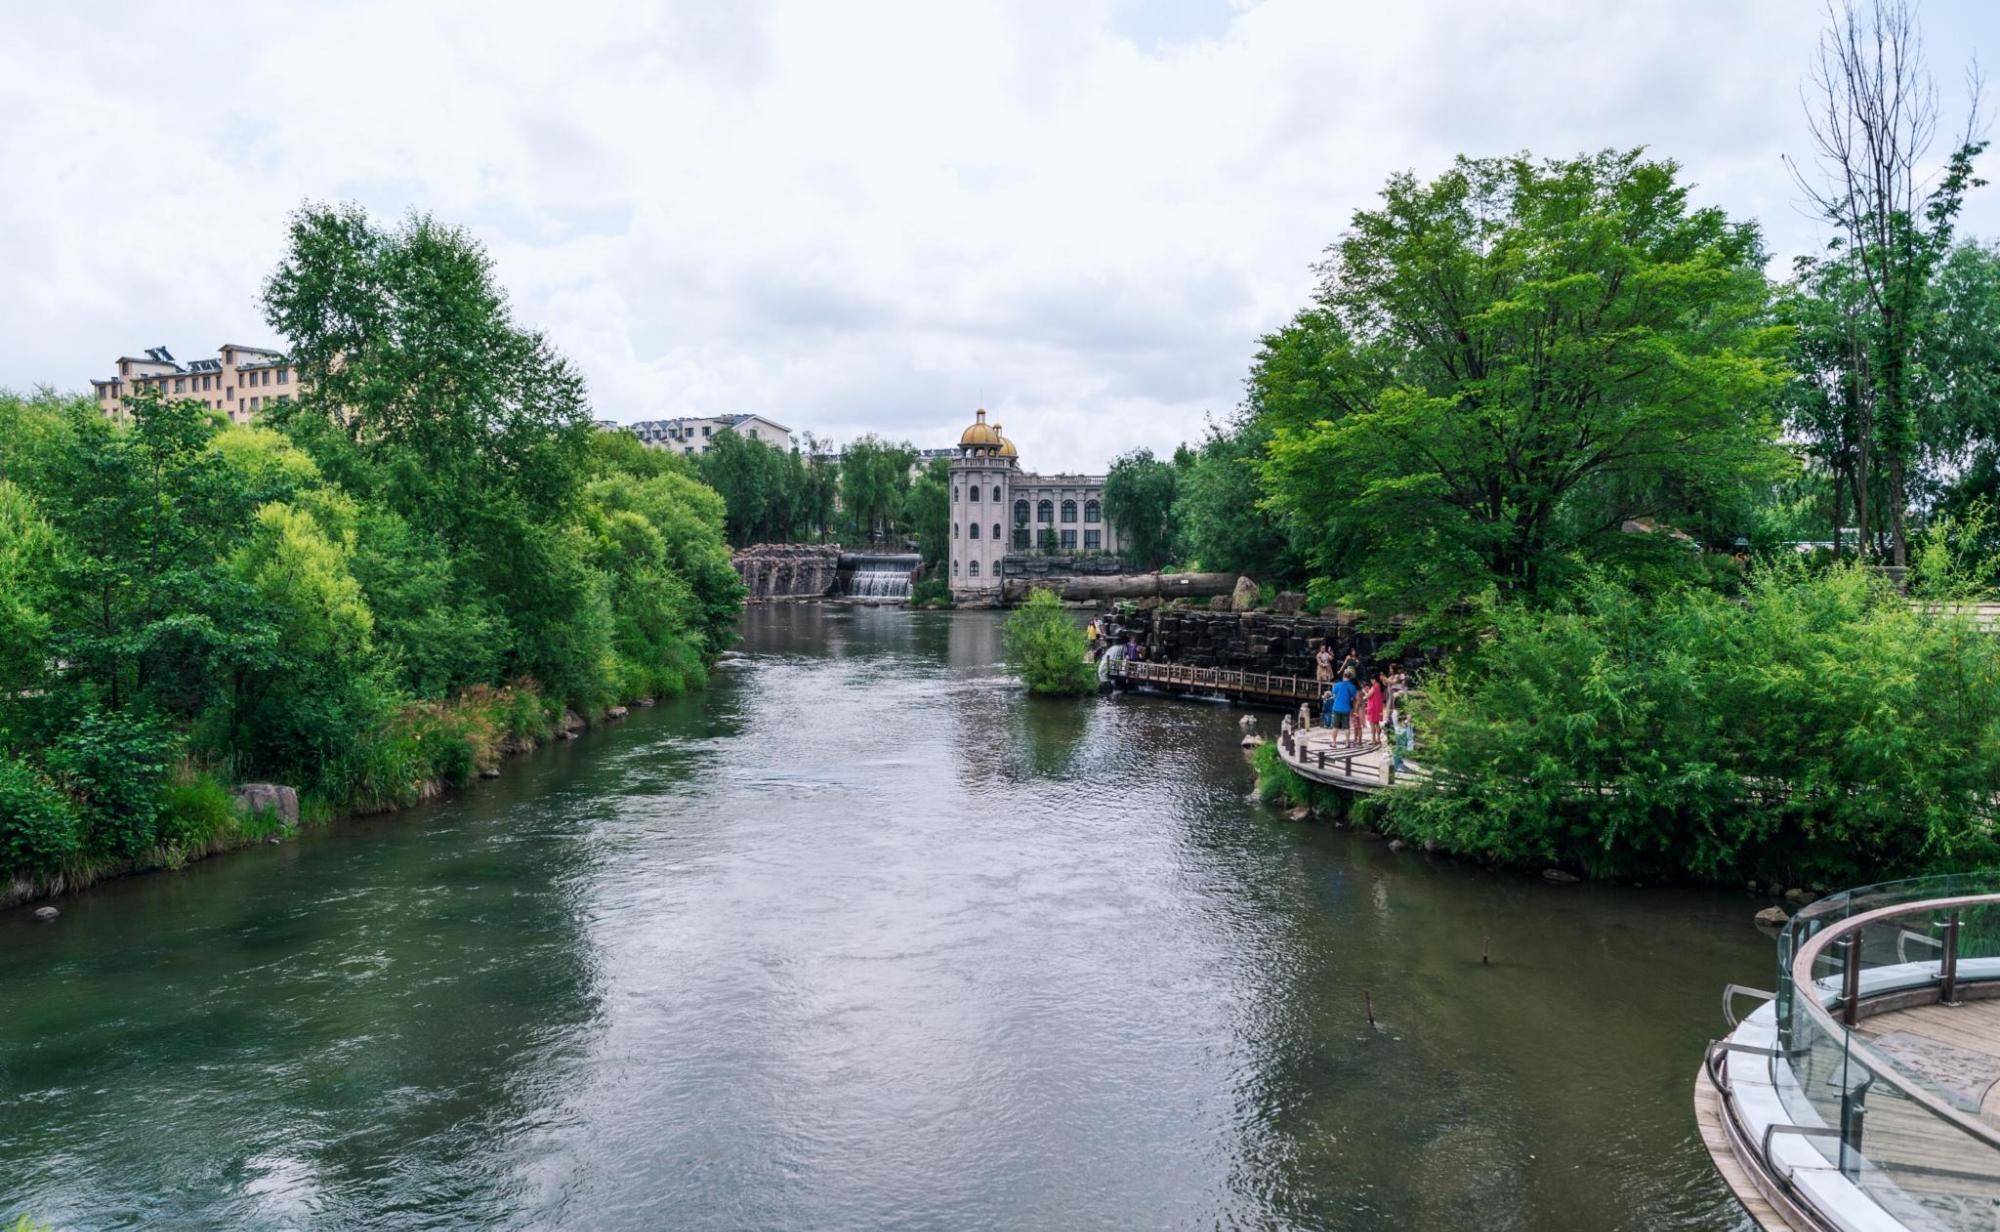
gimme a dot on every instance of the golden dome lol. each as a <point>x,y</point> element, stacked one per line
<point>1007,449</point>
<point>980,434</point>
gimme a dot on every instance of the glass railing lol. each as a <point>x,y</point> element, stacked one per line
<point>1885,1058</point>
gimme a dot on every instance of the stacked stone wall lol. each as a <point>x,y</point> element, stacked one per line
<point>787,570</point>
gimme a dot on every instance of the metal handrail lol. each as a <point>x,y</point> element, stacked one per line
<point>1807,992</point>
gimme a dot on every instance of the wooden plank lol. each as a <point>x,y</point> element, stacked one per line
<point>1708,1118</point>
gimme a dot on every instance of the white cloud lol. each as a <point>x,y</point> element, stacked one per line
<point>851,217</point>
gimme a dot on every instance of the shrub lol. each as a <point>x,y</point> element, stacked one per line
<point>931,592</point>
<point>1047,647</point>
<point>1818,729</point>
<point>39,827</point>
<point>194,810</point>
<point>113,765</point>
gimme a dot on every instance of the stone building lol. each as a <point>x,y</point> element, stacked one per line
<point>240,381</point>
<point>692,434</point>
<point>999,511</point>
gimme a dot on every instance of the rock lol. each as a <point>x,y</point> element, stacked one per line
<point>46,914</point>
<point>1290,602</point>
<point>1559,876</point>
<point>1773,916</point>
<point>1776,889</point>
<point>1252,741</point>
<point>489,772</point>
<point>1219,603</point>
<point>616,712</point>
<point>647,701</point>
<point>1244,597</point>
<point>1300,813</point>
<point>1798,896</point>
<point>565,734</point>
<point>254,798</point>
<point>572,721</point>
<point>1396,844</point>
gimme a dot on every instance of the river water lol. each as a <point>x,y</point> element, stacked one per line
<point>862,937</point>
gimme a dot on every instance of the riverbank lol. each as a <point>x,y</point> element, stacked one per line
<point>431,749</point>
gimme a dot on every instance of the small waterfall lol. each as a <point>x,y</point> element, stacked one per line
<point>880,577</point>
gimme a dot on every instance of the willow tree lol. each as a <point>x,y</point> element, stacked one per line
<point>1508,364</point>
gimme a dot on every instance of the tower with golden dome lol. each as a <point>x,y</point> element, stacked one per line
<point>1007,524</point>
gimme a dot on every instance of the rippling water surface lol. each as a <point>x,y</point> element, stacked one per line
<point>862,938</point>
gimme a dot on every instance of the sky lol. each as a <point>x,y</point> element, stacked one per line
<point>851,217</point>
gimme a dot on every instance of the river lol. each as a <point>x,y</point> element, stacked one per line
<point>863,937</point>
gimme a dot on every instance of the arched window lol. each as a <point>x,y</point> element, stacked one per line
<point>1069,511</point>
<point>1020,513</point>
<point>1045,512</point>
<point>954,494</point>
<point>1092,512</point>
<point>954,568</point>
<point>954,530</point>
<point>973,492</point>
<point>972,531</point>
<point>996,532</point>
<point>972,568</point>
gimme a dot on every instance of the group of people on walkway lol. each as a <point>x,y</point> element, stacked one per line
<point>1360,708</point>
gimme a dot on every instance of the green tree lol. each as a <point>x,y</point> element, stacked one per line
<point>1527,355</point>
<point>927,511</point>
<point>1218,510</point>
<point>874,484</point>
<point>1043,642</point>
<point>1139,502</point>
<point>1873,112</point>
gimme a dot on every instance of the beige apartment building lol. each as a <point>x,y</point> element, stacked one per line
<point>240,381</point>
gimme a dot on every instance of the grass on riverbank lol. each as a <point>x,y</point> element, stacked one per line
<point>422,749</point>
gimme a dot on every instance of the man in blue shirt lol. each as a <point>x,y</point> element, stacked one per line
<point>1340,707</point>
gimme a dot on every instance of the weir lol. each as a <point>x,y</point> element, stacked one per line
<point>883,576</point>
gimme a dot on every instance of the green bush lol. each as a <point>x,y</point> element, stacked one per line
<point>194,811</point>
<point>113,765</point>
<point>1044,643</point>
<point>39,827</point>
<point>1818,728</point>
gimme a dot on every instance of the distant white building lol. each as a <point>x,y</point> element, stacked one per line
<point>998,510</point>
<point>692,434</point>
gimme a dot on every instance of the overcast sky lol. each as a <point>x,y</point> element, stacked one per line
<point>849,217</point>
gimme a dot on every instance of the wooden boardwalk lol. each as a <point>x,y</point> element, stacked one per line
<point>1316,755</point>
<point>1250,688</point>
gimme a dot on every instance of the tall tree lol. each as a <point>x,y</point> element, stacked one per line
<point>874,479</point>
<point>1518,357</point>
<point>1873,111</point>
<point>1139,503</point>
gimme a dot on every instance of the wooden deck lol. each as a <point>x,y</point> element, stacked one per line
<point>1251,688</point>
<point>1316,754</point>
<point>1708,1116</point>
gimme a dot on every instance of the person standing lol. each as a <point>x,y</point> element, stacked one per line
<point>1340,703</point>
<point>1374,706</point>
<point>1323,662</point>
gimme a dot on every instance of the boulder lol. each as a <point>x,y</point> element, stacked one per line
<point>1244,597</point>
<point>1300,813</point>
<point>1775,917</point>
<point>1560,877</point>
<point>647,701</point>
<point>254,798</point>
<point>1219,603</point>
<point>1396,844</point>
<point>489,772</point>
<point>572,721</point>
<point>46,914</point>
<point>616,712</point>
<point>1798,896</point>
<point>1290,602</point>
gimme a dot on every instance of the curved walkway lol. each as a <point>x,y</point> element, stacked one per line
<point>1314,754</point>
<point>1864,1094</point>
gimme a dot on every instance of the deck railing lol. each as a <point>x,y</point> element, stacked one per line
<point>1899,1114</point>
<point>1237,681</point>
